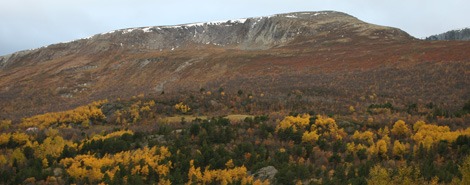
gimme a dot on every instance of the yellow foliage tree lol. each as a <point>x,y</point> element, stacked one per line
<point>77,116</point>
<point>285,125</point>
<point>183,108</point>
<point>4,138</point>
<point>400,129</point>
<point>428,134</point>
<point>366,136</point>
<point>5,124</point>
<point>410,175</point>
<point>327,126</point>
<point>229,164</point>
<point>3,160</point>
<point>382,149</point>
<point>52,132</point>
<point>45,163</point>
<point>297,122</point>
<point>145,109</point>
<point>151,103</point>
<point>52,146</point>
<point>194,174</point>
<point>417,125</point>
<point>406,175</point>
<point>18,156</point>
<point>310,137</point>
<point>18,137</point>
<point>379,176</point>
<point>89,166</point>
<point>220,176</point>
<point>110,135</point>
<point>399,149</point>
<point>384,132</point>
<point>465,171</point>
<point>351,147</point>
<point>351,109</point>
<point>164,182</point>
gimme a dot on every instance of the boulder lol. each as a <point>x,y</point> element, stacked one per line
<point>266,173</point>
<point>58,172</point>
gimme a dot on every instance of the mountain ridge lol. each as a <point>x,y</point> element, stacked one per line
<point>247,33</point>
<point>460,34</point>
<point>178,59</point>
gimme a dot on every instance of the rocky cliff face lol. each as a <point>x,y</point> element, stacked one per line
<point>462,34</point>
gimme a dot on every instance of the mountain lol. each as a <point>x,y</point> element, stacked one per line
<point>244,34</point>
<point>462,34</point>
<point>324,55</point>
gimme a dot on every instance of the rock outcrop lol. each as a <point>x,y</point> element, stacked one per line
<point>266,173</point>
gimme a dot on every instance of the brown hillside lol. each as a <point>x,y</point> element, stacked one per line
<point>331,57</point>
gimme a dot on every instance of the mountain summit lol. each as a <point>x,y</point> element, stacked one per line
<point>244,34</point>
<point>252,53</point>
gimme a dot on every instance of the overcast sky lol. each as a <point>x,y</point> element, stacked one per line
<point>29,24</point>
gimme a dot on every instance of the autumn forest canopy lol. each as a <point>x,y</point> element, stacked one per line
<point>166,139</point>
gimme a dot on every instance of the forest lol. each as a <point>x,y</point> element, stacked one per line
<point>175,139</point>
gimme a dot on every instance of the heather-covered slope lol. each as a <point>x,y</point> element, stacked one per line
<point>232,54</point>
